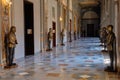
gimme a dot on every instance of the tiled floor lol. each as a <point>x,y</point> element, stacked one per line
<point>79,60</point>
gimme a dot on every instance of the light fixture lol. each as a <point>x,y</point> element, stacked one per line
<point>61,19</point>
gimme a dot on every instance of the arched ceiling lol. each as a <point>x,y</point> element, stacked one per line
<point>87,3</point>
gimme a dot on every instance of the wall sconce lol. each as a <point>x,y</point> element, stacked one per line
<point>61,19</point>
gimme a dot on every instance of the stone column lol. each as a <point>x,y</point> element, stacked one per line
<point>68,12</point>
<point>118,36</point>
<point>58,22</point>
<point>42,25</point>
<point>61,17</point>
<point>45,24</point>
<point>116,8</point>
<point>12,15</point>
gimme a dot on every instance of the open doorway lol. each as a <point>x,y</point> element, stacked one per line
<point>54,34</point>
<point>28,28</point>
<point>90,30</point>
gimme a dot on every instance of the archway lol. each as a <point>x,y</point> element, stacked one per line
<point>90,24</point>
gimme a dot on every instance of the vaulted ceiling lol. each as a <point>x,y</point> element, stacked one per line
<point>87,3</point>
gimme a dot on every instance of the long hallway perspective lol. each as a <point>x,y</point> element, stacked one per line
<point>79,60</point>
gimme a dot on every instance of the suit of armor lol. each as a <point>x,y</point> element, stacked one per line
<point>12,41</point>
<point>111,47</point>
<point>62,37</point>
<point>50,37</point>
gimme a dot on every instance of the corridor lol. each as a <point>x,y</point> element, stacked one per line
<point>79,60</point>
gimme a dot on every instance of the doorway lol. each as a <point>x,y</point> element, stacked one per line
<point>54,34</point>
<point>28,28</point>
<point>90,30</point>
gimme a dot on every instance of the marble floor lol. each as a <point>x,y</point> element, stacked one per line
<point>79,60</point>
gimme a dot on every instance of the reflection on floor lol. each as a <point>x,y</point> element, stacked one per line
<point>79,60</point>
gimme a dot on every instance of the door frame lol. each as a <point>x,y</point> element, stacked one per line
<point>91,31</point>
<point>54,33</point>
<point>26,27</point>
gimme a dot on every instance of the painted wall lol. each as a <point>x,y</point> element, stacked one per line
<point>19,23</point>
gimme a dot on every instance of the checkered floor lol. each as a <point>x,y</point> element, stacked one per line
<point>79,60</point>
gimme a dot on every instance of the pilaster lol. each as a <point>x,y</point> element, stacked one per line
<point>59,20</point>
<point>42,25</point>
